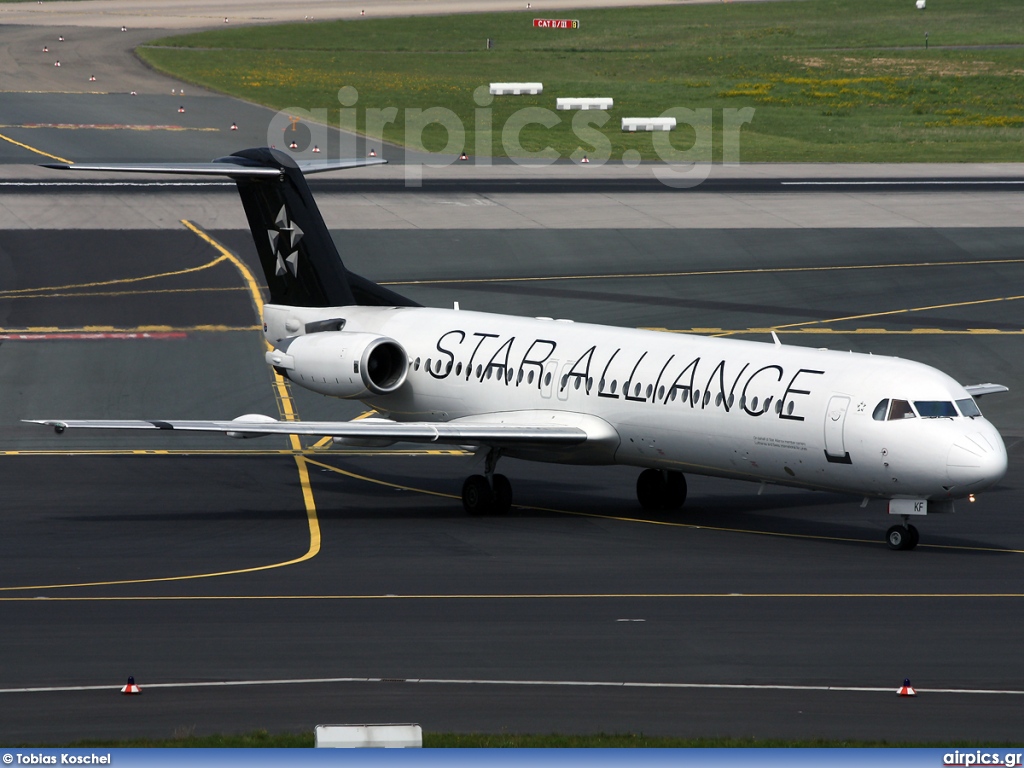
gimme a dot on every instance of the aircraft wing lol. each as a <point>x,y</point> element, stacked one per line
<point>457,433</point>
<point>977,390</point>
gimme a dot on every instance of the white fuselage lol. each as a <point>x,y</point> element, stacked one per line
<point>755,411</point>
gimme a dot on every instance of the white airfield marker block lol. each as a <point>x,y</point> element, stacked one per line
<point>634,124</point>
<point>353,736</point>
<point>578,103</point>
<point>516,89</point>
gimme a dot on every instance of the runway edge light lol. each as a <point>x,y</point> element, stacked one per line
<point>131,688</point>
<point>906,689</point>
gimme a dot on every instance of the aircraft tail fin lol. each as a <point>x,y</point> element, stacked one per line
<point>301,264</point>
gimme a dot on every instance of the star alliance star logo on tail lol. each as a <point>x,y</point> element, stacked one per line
<point>284,243</point>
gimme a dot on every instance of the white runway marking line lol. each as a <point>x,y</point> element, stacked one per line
<point>891,182</point>
<point>538,683</point>
<point>111,184</point>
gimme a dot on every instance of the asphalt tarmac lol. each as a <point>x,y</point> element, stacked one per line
<point>193,560</point>
<point>245,586</point>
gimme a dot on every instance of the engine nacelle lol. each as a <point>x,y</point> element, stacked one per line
<point>343,364</point>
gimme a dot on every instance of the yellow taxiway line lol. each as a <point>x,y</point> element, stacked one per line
<point>133,329</point>
<point>521,596</point>
<point>288,413</point>
<point>665,523</point>
<point>58,158</point>
<point>818,330</point>
<point>103,126</point>
<point>316,449</point>
<point>110,294</point>
<point>311,515</point>
<point>20,292</point>
<point>314,548</point>
<point>287,407</point>
<point>908,310</point>
<point>704,273</point>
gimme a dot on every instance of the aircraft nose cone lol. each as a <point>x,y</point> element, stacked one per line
<point>977,460</point>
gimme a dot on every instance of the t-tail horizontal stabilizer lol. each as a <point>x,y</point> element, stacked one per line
<point>299,259</point>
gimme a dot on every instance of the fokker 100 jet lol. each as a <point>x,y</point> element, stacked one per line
<point>574,393</point>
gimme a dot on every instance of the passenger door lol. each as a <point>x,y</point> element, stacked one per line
<point>835,419</point>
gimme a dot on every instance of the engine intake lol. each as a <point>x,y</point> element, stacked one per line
<point>343,364</point>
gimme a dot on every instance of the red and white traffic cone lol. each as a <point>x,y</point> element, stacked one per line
<point>131,688</point>
<point>316,150</point>
<point>373,152</point>
<point>906,689</point>
<point>234,126</point>
<point>181,109</point>
<point>585,159</point>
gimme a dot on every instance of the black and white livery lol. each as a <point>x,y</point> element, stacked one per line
<point>575,393</point>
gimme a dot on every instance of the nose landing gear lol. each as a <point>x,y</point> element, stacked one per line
<point>901,537</point>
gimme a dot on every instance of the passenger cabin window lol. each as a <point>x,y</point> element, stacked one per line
<point>968,407</point>
<point>935,409</point>
<point>901,410</point>
<point>881,410</point>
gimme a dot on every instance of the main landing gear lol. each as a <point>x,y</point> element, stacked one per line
<point>489,493</point>
<point>661,489</point>
<point>901,537</point>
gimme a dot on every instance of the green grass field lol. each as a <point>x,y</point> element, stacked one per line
<point>829,80</point>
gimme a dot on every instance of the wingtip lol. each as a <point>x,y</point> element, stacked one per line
<point>58,426</point>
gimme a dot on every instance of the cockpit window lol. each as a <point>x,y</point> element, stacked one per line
<point>901,410</point>
<point>880,410</point>
<point>935,409</point>
<point>968,407</point>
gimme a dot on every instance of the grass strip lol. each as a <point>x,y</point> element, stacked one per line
<point>828,80</point>
<point>263,739</point>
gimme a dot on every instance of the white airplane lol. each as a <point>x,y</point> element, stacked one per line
<point>574,393</point>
